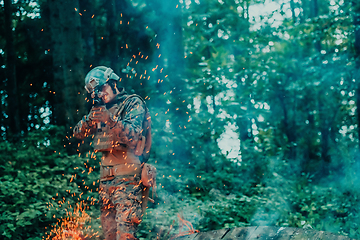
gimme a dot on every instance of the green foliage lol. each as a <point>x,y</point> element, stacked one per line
<point>288,90</point>
<point>281,198</point>
<point>36,177</point>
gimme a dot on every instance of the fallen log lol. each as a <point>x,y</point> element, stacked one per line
<point>264,233</point>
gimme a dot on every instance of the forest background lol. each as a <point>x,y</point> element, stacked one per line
<point>254,106</point>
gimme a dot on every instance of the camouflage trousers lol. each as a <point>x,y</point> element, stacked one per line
<point>120,202</point>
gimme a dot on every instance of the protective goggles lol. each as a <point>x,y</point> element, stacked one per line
<point>92,84</point>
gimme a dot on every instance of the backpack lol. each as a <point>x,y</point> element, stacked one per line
<point>148,173</point>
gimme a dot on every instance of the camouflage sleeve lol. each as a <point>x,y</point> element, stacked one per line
<point>129,128</point>
<point>83,128</point>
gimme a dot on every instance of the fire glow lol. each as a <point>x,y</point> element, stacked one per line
<point>75,225</point>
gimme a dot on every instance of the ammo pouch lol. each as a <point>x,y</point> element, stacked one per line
<point>148,175</point>
<point>148,179</point>
<point>106,140</point>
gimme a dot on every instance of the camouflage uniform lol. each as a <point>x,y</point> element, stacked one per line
<point>120,199</point>
<point>120,196</point>
<point>127,130</point>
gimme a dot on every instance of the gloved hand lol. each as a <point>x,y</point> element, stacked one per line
<point>101,114</point>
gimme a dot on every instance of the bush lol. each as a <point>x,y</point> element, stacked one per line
<point>42,187</point>
<point>38,184</point>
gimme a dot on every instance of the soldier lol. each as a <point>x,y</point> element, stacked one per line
<point>120,125</point>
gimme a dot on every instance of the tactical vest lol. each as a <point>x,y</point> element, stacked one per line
<point>106,139</point>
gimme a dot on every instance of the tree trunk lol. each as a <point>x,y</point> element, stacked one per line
<point>113,39</point>
<point>356,20</point>
<point>292,6</point>
<point>244,121</point>
<point>67,54</point>
<point>88,31</point>
<point>314,9</point>
<point>13,103</point>
<point>169,36</point>
<point>323,109</point>
<point>289,129</point>
<point>171,49</point>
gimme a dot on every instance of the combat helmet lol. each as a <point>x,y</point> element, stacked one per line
<point>98,76</point>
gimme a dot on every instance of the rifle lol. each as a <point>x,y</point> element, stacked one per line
<point>97,102</point>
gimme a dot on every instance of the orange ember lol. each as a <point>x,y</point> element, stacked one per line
<point>73,226</point>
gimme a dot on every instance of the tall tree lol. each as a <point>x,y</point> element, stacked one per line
<point>88,11</point>
<point>67,54</point>
<point>356,19</point>
<point>112,25</point>
<point>314,9</point>
<point>13,102</point>
<point>170,40</point>
<point>169,79</point>
<point>245,70</point>
<point>292,6</point>
<point>322,103</point>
